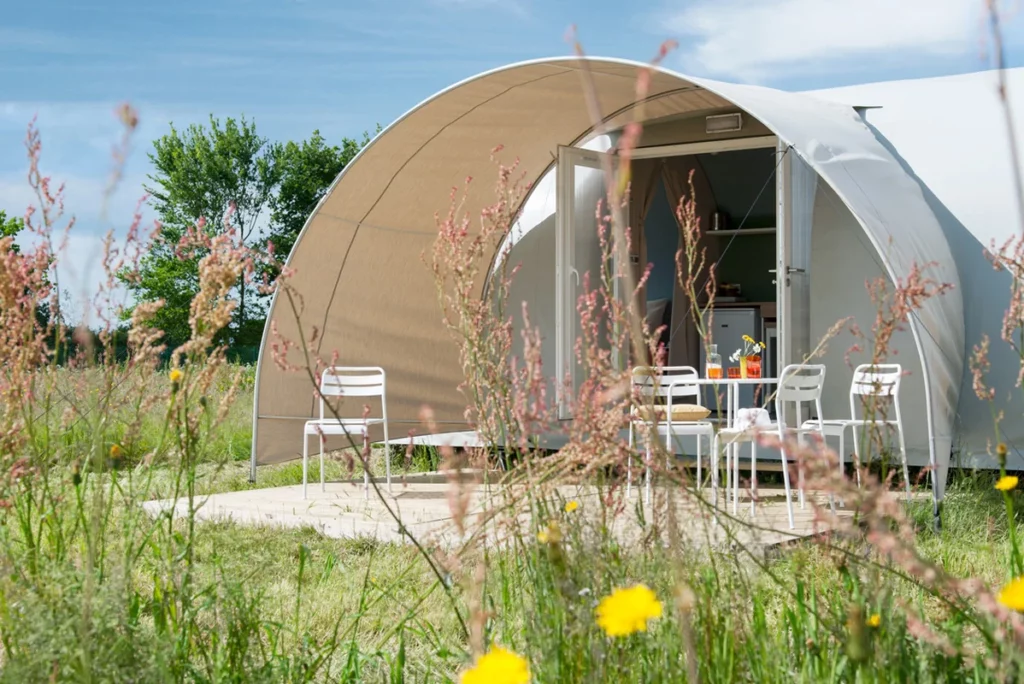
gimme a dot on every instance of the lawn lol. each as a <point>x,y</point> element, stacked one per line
<point>117,598</point>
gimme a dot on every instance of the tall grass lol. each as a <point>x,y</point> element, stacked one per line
<point>95,588</point>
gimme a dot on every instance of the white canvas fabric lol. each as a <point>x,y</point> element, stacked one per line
<point>950,133</point>
<point>365,288</point>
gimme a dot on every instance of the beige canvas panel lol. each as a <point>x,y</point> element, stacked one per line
<point>385,313</point>
<point>383,306</point>
<point>287,393</point>
<point>365,182</point>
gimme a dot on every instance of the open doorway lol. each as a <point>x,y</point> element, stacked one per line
<point>745,190</point>
<point>736,195</point>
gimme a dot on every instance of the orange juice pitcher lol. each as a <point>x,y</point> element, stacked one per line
<point>713,365</point>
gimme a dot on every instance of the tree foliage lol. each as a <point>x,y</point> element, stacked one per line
<point>222,176</point>
<point>10,226</point>
<point>226,176</point>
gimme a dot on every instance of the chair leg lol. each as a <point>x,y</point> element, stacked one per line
<point>736,483</point>
<point>842,459</point>
<point>716,445</point>
<point>305,465</point>
<point>629,461</point>
<point>753,476</point>
<point>387,456</point>
<point>903,453</point>
<point>856,453</point>
<point>728,475</point>
<point>785,481</point>
<point>800,471</point>
<point>366,466</point>
<point>323,482</point>
<point>647,474</point>
<point>669,447</point>
<point>699,483</point>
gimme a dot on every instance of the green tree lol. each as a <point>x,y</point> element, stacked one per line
<point>201,173</point>
<point>10,227</point>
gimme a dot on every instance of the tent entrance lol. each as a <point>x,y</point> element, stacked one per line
<point>754,203</point>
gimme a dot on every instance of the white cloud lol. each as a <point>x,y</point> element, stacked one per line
<point>748,39</point>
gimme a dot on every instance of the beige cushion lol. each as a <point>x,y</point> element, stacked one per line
<point>680,412</point>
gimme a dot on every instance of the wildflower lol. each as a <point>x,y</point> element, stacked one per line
<point>626,611</point>
<point>116,451</point>
<point>176,375</point>
<point>550,534</point>
<point>875,620</point>
<point>498,666</point>
<point>1012,595</point>
<point>748,338</point>
<point>571,506</point>
<point>1006,483</point>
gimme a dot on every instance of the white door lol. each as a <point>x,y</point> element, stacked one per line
<point>796,186</point>
<point>578,255</point>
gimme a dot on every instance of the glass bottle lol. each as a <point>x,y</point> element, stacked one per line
<point>713,365</point>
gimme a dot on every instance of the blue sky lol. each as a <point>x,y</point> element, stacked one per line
<point>343,67</point>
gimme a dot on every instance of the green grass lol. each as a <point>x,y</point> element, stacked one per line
<point>91,590</point>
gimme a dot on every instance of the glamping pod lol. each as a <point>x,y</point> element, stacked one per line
<point>804,197</point>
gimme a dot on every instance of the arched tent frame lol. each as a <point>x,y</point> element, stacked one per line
<point>416,160</point>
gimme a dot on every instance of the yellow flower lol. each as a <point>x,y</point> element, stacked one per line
<point>748,338</point>
<point>875,620</point>
<point>176,375</point>
<point>1007,483</point>
<point>498,666</point>
<point>571,506</point>
<point>550,534</point>
<point>626,611</point>
<point>116,451</point>
<point>1012,595</point>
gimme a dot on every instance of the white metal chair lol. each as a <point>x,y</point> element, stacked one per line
<point>798,384</point>
<point>878,381</point>
<point>347,381</point>
<point>660,387</point>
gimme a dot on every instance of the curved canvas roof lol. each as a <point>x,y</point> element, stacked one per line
<point>358,261</point>
<point>951,133</point>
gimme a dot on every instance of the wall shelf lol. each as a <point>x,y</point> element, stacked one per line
<point>743,231</point>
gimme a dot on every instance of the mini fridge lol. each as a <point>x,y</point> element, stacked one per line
<point>728,326</point>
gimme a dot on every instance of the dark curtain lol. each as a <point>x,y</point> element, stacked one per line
<point>684,340</point>
<point>644,178</point>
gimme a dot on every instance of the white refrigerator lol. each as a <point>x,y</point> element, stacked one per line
<point>728,326</point>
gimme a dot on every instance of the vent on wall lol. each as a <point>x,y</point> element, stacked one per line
<point>723,123</point>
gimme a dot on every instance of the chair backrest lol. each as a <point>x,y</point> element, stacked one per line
<point>657,383</point>
<point>352,381</point>
<point>799,383</point>
<point>880,380</point>
<point>875,380</point>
